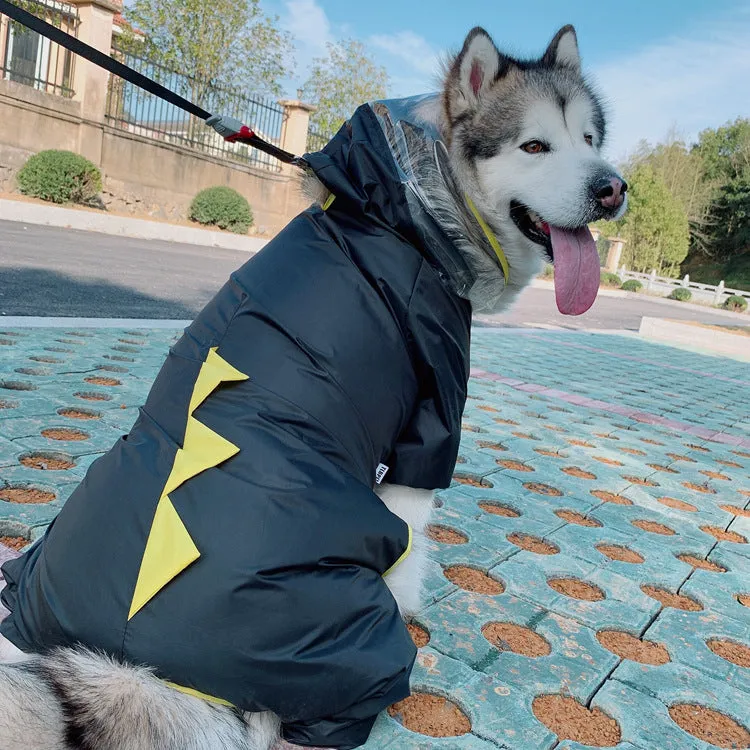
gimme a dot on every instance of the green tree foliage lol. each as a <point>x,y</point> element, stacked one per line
<point>655,227</point>
<point>726,155</point>
<point>726,150</point>
<point>339,82</point>
<point>686,176</point>
<point>217,43</point>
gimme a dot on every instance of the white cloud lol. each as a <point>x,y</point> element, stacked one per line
<point>311,30</point>
<point>410,60</point>
<point>691,83</point>
<point>413,64</point>
<point>410,48</point>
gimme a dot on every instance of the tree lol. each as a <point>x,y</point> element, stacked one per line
<point>218,44</point>
<point>726,155</point>
<point>731,214</point>
<point>339,82</point>
<point>726,150</point>
<point>685,174</point>
<point>655,226</point>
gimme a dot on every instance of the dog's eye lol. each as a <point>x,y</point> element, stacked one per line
<point>589,139</point>
<point>535,147</point>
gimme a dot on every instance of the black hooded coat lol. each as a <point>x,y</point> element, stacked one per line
<point>232,540</point>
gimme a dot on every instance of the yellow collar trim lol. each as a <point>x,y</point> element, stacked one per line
<point>494,244</point>
<point>198,694</point>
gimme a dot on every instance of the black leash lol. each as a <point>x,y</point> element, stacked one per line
<point>231,129</point>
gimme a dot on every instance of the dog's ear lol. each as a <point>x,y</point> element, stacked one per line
<point>472,73</point>
<point>563,50</point>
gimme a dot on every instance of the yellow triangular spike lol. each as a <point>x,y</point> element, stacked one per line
<point>213,371</point>
<point>169,550</point>
<point>202,449</point>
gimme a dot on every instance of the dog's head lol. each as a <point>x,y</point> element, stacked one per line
<point>524,138</point>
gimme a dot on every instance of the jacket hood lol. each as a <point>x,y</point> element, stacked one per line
<point>388,163</point>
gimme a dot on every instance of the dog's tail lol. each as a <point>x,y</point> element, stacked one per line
<point>80,699</point>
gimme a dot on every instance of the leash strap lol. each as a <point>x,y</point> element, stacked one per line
<point>231,129</point>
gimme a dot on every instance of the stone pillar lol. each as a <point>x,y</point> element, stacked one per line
<point>719,293</point>
<point>615,252</point>
<point>90,82</point>
<point>295,127</point>
<point>3,38</point>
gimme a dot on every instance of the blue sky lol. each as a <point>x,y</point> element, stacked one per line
<point>661,64</point>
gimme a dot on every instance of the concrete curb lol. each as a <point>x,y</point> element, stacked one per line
<point>739,317</point>
<point>696,338</point>
<point>123,226</point>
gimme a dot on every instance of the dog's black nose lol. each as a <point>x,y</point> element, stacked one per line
<point>610,191</point>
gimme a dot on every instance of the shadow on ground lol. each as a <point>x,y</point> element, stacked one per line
<point>58,294</point>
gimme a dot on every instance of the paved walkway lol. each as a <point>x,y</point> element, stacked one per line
<point>600,478</point>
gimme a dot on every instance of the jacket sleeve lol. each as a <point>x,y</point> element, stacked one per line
<point>439,326</point>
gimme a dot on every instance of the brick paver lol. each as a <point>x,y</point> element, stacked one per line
<point>620,464</point>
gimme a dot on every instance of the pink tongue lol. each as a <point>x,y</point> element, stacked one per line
<point>576,269</point>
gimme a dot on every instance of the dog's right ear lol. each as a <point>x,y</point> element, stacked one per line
<point>472,73</point>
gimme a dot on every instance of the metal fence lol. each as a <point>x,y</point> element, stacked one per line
<point>31,59</point>
<point>315,140</point>
<point>136,111</point>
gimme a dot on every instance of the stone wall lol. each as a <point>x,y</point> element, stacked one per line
<point>142,177</point>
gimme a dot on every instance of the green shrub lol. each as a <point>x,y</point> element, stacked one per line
<point>549,271</point>
<point>632,285</point>
<point>681,293</point>
<point>60,177</point>
<point>610,279</point>
<point>736,303</point>
<point>222,207</point>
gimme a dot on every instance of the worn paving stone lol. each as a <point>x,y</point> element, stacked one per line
<point>485,702</point>
<point>658,567</point>
<point>567,745</point>
<point>482,548</point>
<point>684,536</point>
<point>576,662</point>
<point>685,635</point>
<point>526,575</point>
<point>720,594</point>
<point>661,687</point>
<point>572,406</point>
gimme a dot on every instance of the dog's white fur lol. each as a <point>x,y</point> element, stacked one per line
<point>127,707</point>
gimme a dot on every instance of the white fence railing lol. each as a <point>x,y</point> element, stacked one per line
<point>715,294</point>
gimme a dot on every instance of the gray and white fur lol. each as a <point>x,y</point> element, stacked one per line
<point>492,106</point>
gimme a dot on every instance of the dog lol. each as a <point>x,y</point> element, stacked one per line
<point>425,210</point>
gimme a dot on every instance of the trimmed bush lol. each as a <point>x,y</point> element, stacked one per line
<point>736,303</point>
<point>610,279</point>
<point>60,177</point>
<point>681,294</point>
<point>222,207</point>
<point>632,285</point>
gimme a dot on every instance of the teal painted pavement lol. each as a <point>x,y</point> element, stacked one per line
<point>599,478</point>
